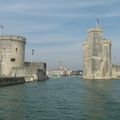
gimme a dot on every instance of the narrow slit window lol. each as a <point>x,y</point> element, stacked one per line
<point>16,49</point>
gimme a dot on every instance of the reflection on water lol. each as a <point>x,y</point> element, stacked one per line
<point>61,99</point>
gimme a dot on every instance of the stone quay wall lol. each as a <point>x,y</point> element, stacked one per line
<point>6,81</point>
<point>36,70</point>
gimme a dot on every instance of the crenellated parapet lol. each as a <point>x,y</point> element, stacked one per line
<point>13,38</point>
<point>107,41</point>
<point>96,29</point>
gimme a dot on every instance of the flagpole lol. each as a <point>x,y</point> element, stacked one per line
<point>31,66</point>
<point>31,63</point>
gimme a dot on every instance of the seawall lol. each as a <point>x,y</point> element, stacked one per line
<point>6,81</point>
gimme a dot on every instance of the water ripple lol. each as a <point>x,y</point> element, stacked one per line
<point>61,99</point>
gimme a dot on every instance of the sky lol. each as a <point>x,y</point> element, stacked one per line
<point>56,29</point>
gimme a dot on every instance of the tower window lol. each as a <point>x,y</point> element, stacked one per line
<point>16,49</point>
<point>12,59</point>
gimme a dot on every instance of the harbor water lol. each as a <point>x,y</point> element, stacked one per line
<point>67,98</point>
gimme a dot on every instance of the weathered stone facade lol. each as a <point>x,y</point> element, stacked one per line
<point>115,71</point>
<point>97,55</point>
<point>12,59</point>
<point>12,53</point>
<point>36,70</point>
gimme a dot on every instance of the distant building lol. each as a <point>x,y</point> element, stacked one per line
<point>59,72</point>
<point>97,55</point>
<point>77,73</point>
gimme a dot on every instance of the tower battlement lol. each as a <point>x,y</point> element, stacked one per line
<point>13,38</point>
<point>95,29</point>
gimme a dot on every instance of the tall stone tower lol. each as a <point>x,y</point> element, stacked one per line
<point>12,53</point>
<point>96,55</point>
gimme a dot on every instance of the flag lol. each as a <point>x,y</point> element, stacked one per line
<point>33,51</point>
<point>1,26</point>
<point>97,21</point>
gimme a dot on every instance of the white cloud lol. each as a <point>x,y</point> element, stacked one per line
<point>51,7</point>
<point>14,7</point>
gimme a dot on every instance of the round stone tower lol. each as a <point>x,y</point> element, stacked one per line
<point>12,53</point>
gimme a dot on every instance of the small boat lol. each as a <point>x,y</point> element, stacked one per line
<point>54,76</point>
